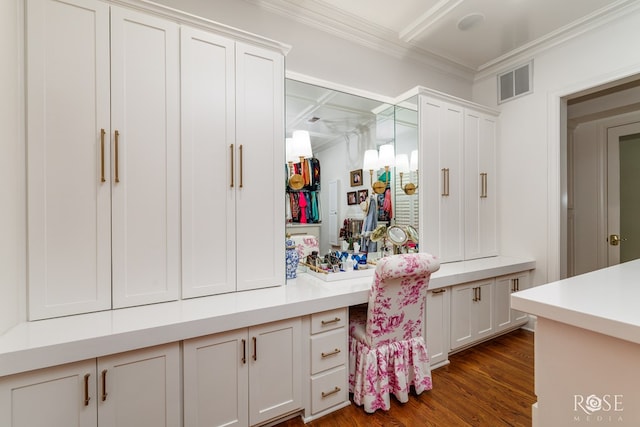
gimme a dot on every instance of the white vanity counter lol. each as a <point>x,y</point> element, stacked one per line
<point>44,343</point>
<point>603,301</point>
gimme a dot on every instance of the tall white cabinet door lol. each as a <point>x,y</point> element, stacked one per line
<point>275,380</point>
<point>68,201</point>
<point>216,380</point>
<point>208,190</point>
<point>140,388</point>
<point>480,185</point>
<point>63,396</point>
<point>442,137</point>
<point>259,156</point>
<point>146,163</point>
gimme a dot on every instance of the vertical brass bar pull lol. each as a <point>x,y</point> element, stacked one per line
<point>445,181</point>
<point>117,136</point>
<point>483,185</point>
<point>232,162</point>
<point>244,351</point>
<point>517,284</point>
<point>479,294</point>
<point>240,165</point>
<point>86,390</point>
<point>104,385</point>
<point>102,132</point>
<point>255,348</point>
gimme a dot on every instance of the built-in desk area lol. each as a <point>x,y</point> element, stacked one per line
<point>303,302</point>
<point>587,347</point>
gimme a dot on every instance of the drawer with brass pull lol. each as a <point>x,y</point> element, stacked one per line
<point>328,320</point>
<point>328,389</point>
<point>328,350</point>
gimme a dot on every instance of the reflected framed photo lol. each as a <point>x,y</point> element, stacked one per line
<point>352,198</point>
<point>356,178</point>
<point>362,195</point>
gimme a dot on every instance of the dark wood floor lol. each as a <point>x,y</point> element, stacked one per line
<point>489,385</point>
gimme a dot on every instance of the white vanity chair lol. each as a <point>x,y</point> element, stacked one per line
<point>387,351</point>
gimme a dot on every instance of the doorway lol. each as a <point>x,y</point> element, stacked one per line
<point>623,197</point>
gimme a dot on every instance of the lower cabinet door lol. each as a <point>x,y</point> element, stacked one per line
<point>62,396</point>
<point>437,325</point>
<point>275,370</point>
<point>140,388</point>
<point>216,380</point>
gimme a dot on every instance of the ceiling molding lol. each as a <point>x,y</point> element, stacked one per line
<point>596,19</point>
<point>430,17</point>
<point>350,27</point>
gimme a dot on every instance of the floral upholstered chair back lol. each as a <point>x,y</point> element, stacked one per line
<point>397,298</point>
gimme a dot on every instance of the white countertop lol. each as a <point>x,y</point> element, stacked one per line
<point>604,301</point>
<point>44,343</point>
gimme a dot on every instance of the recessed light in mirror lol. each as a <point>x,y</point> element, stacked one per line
<point>469,21</point>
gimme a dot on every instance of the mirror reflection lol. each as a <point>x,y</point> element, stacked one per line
<point>352,166</point>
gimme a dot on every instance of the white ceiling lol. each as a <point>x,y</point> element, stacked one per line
<point>430,27</point>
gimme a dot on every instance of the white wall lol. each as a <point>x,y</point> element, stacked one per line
<point>325,56</point>
<point>12,213</point>
<point>530,135</point>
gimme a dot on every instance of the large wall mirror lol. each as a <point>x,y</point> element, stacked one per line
<point>342,129</point>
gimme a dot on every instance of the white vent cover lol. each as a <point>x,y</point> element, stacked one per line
<point>515,83</point>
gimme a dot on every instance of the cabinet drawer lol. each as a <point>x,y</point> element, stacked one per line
<point>328,320</point>
<point>328,389</point>
<point>328,350</point>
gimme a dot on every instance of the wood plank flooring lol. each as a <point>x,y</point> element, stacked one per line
<point>489,385</point>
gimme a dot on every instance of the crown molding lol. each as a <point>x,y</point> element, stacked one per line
<point>350,27</point>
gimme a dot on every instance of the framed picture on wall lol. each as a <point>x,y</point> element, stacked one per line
<point>362,195</point>
<point>352,198</point>
<point>356,178</point>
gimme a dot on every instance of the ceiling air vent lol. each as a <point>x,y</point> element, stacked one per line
<point>515,83</point>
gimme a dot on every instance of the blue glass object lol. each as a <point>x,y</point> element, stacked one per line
<point>293,258</point>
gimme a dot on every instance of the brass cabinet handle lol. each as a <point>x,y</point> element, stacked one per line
<point>438,291</point>
<point>328,322</point>
<point>104,385</point>
<point>445,181</point>
<point>255,348</point>
<point>232,171</point>
<point>331,353</point>
<point>479,293</point>
<point>244,351</point>
<point>329,393</point>
<point>483,185</point>
<point>86,390</point>
<point>102,132</point>
<point>517,284</point>
<point>117,137</point>
<point>240,165</point>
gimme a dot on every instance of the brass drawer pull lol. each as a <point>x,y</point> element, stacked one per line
<point>445,182</point>
<point>241,165</point>
<point>104,385</point>
<point>86,390</point>
<point>244,351</point>
<point>328,322</point>
<point>255,348</point>
<point>116,140</point>
<point>331,353</point>
<point>439,291</point>
<point>335,390</point>
<point>102,178</point>
<point>232,171</point>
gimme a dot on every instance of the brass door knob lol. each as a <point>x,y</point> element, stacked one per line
<point>614,240</point>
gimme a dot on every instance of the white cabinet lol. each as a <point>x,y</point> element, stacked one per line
<point>472,307</point>
<point>327,373</point>
<point>139,388</point>
<point>441,129</point>
<point>437,325</point>
<point>232,156</point>
<point>457,146</point>
<point>480,185</point>
<point>243,377</point>
<point>505,316</point>
<point>102,153</point>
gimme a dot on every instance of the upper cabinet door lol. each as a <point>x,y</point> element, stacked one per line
<point>480,185</point>
<point>146,158</point>
<point>208,147</point>
<point>68,201</point>
<point>259,167</point>
<point>442,138</point>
